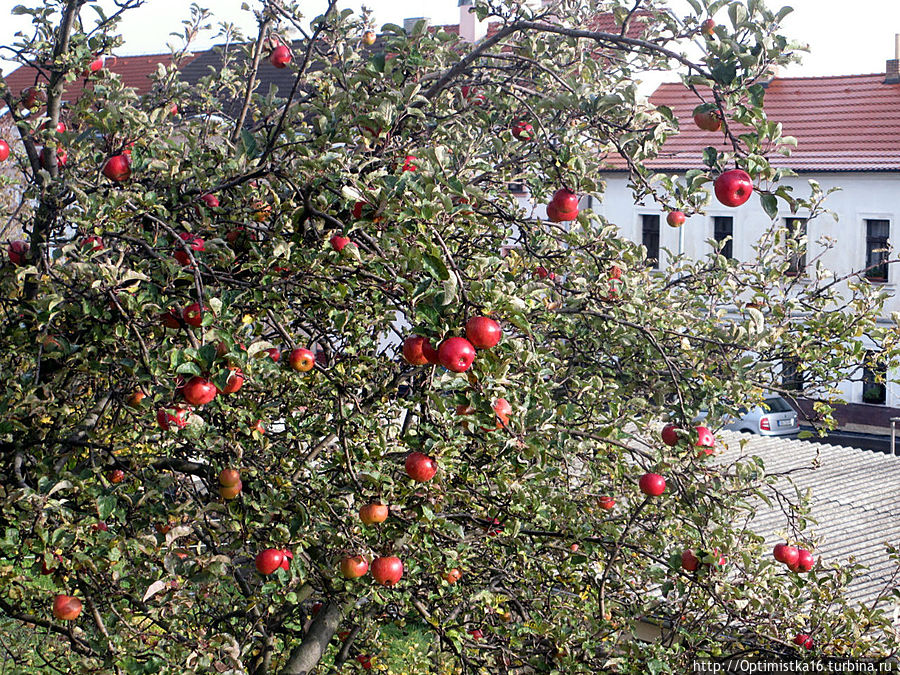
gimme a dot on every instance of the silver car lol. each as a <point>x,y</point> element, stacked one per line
<point>773,417</point>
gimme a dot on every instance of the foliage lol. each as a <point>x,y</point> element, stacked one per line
<point>590,363</point>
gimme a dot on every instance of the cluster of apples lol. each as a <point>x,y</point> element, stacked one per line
<point>563,206</point>
<point>455,353</point>
<point>797,559</point>
<point>387,570</point>
<point>230,483</point>
<point>704,440</point>
<point>271,559</point>
<point>690,562</point>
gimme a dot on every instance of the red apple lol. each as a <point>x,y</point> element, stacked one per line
<point>476,633</point>
<point>95,65</point>
<point>134,400</point>
<point>542,273</point>
<point>733,187</point>
<point>372,514</point>
<point>100,527</point>
<point>493,528</point>
<point>302,360</point>
<point>168,418</point>
<point>234,383</point>
<point>805,561</point>
<point>387,571</point>
<point>803,640</point>
<point>66,607</point>
<point>456,354</point>
<point>430,353</point>
<point>338,242</point>
<point>4,150</point>
<point>229,477</point>
<point>453,576</point>
<point>566,201</point>
<point>652,484</point>
<point>170,319</point>
<point>281,56</point>
<point>670,435</point>
<point>553,214</point>
<point>193,315</point>
<point>369,37</point>
<point>115,475</point>
<point>258,427</point>
<point>32,96</point>
<point>286,559</point>
<point>45,155</point>
<point>414,350</point>
<point>229,492</point>
<point>675,219</point>
<point>274,354</point>
<point>420,467</point>
<point>707,117</point>
<point>523,130</point>
<point>708,27</point>
<point>502,409</point>
<point>93,242</point>
<point>17,251</point>
<point>483,332</point>
<point>706,442</point>
<point>409,163</point>
<point>786,554</point>
<point>210,200</point>
<point>689,561</point>
<point>365,661</point>
<point>606,503</point>
<point>199,391</point>
<point>269,560</point>
<point>117,168</point>
<point>195,243</point>
<point>353,567</point>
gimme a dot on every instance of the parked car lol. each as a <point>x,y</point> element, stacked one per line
<point>773,417</point>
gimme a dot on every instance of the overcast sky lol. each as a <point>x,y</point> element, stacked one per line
<point>844,38</point>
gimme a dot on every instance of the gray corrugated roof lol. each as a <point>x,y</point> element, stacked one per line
<point>854,501</point>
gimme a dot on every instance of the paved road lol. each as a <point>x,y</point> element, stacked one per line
<point>854,440</point>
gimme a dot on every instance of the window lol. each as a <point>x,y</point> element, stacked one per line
<point>791,375</point>
<point>877,233</point>
<point>873,376</point>
<point>723,228</point>
<point>796,228</point>
<point>650,238</point>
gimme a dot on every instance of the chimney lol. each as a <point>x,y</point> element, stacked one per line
<point>410,24</point>
<point>470,28</point>
<point>892,69</point>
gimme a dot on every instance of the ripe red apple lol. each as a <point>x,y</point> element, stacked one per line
<point>170,319</point>
<point>229,492</point>
<point>542,273</point>
<point>258,427</point>
<point>168,418</point>
<point>675,218</point>
<point>353,567</point>
<point>95,65</point>
<point>281,56</point>
<point>269,560</point>
<point>606,503</point>
<point>274,354</point>
<point>705,440</point>
<point>493,528</point>
<point>17,251</point>
<point>32,96</point>
<point>786,554</point>
<point>66,607</point>
<point>502,409</point>
<point>523,130</point>
<point>338,242</point>
<point>452,576</point>
<point>193,315</point>
<point>115,475</point>
<point>733,187</point>
<point>235,381</point>
<point>476,633</point>
<point>409,163</point>
<point>706,117</point>
<point>670,435</point>
<point>195,243</point>
<point>420,467</point>
<point>302,360</point>
<point>316,606</point>
<point>413,350</point>
<point>199,391</point>
<point>553,214</point>
<point>100,527</point>
<point>566,202</point>
<point>286,559</point>
<point>805,561</point>
<point>689,561</point>
<point>387,571</point>
<point>652,484</point>
<point>456,354</point>
<point>483,332</point>
<point>430,353</point>
<point>369,37</point>
<point>365,661</point>
<point>708,27</point>
<point>45,157</point>
<point>117,168</point>
<point>372,514</point>
<point>803,640</point>
<point>4,150</point>
<point>210,200</point>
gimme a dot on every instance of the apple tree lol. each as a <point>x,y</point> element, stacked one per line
<point>299,379</point>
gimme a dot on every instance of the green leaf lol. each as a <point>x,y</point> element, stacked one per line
<point>770,205</point>
<point>105,506</point>
<point>435,267</point>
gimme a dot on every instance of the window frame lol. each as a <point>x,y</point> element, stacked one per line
<point>728,249</point>
<point>873,246</point>
<point>652,261</point>
<point>870,382</point>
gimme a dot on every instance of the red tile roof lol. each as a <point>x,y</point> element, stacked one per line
<point>135,71</point>
<point>841,123</point>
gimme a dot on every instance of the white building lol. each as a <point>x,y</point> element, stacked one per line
<point>848,132</point>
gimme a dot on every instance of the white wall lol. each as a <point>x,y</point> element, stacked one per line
<point>863,195</point>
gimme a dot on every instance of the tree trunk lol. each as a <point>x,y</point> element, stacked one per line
<point>305,656</point>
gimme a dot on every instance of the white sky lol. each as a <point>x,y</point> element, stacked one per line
<point>844,39</point>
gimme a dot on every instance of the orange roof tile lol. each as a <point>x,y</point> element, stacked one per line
<point>841,123</point>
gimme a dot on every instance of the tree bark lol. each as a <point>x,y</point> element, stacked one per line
<point>305,656</point>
